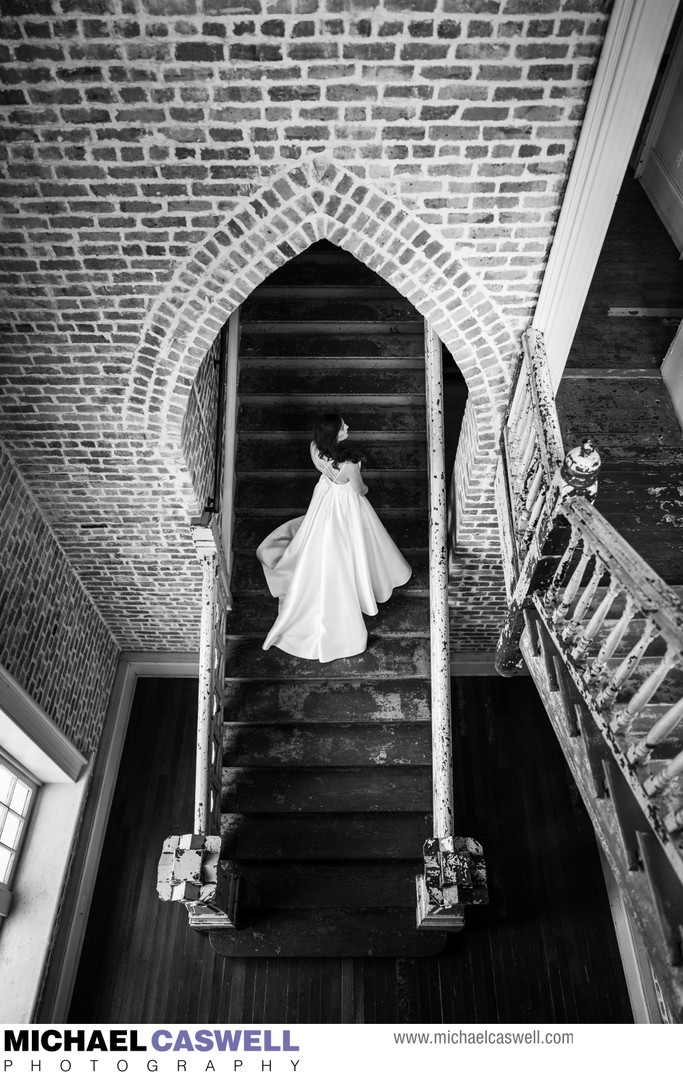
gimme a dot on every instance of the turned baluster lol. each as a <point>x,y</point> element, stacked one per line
<point>572,587</point>
<point>641,751</point>
<point>659,781</point>
<point>596,669</point>
<point>551,593</point>
<point>583,604</point>
<point>646,690</point>
<point>530,473</point>
<point>627,667</point>
<point>521,403</point>
<point>585,635</point>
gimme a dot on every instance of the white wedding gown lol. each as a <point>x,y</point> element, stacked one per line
<point>328,568</point>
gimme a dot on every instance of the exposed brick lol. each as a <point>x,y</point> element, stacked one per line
<point>135,148</point>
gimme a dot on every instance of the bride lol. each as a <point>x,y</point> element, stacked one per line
<point>333,564</point>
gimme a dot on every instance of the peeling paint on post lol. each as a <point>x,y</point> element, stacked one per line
<point>449,864</point>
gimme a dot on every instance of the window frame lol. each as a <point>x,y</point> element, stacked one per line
<point>22,774</point>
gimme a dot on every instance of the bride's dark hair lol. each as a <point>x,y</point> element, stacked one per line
<point>325,433</point>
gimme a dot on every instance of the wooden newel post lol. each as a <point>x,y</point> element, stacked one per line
<point>454,870</point>
<point>191,872</point>
<point>577,476</point>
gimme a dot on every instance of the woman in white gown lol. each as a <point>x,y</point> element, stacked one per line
<point>333,564</point>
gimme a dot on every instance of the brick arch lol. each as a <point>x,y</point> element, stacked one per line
<point>316,200</point>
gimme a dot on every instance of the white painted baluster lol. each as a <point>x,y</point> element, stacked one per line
<point>551,593</point>
<point>583,604</point>
<point>572,587</point>
<point>585,636</point>
<point>646,690</point>
<point>597,668</point>
<point>667,724</point>
<point>628,666</point>
<point>659,781</point>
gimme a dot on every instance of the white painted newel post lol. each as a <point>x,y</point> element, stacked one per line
<point>439,649</point>
<point>454,869</point>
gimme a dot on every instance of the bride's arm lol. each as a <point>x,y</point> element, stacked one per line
<point>357,483</point>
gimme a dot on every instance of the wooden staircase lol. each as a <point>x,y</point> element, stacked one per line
<point>326,796</point>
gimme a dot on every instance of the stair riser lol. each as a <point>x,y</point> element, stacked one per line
<point>299,414</point>
<point>265,307</point>
<point>330,885</point>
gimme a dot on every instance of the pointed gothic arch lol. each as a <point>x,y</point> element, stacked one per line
<point>317,200</point>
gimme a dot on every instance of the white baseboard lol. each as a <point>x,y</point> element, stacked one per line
<point>60,978</point>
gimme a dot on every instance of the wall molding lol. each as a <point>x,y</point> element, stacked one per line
<point>33,739</point>
<point>60,974</point>
<point>633,47</point>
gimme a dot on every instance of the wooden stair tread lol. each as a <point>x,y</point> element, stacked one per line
<point>353,788</point>
<point>408,531</point>
<point>404,614</point>
<point>348,835</point>
<point>248,574</point>
<point>384,657</point>
<point>380,306</point>
<point>315,345</point>
<point>361,932</point>
<point>295,380</point>
<point>322,701</point>
<point>386,456</point>
<point>389,743</point>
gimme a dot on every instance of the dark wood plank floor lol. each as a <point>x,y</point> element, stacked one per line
<point>604,393</point>
<point>543,951</point>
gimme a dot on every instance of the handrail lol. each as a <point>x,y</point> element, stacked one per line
<point>216,602</point>
<point>454,871</point>
<point>189,868</point>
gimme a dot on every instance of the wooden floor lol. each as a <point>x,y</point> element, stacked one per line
<point>543,951</point>
<point>612,388</point>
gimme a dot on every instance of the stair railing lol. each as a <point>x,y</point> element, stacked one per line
<point>189,869</point>
<point>604,643</point>
<point>454,868</point>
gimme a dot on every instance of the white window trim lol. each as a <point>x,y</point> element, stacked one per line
<point>21,774</point>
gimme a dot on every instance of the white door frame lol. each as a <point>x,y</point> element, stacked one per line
<point>631,54</point>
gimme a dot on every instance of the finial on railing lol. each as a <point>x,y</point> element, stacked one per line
<point>579,471</point>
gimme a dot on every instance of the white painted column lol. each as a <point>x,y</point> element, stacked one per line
<point>631,53</point>
<point>442,751</point>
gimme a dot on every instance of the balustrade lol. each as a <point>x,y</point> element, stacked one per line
<point>603,637</point>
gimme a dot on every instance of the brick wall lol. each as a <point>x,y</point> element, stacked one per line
<point>161,157</point>
<point>198,430</point>
<point>52,639</point>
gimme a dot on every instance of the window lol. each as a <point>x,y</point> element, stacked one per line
<point>17,795</point>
